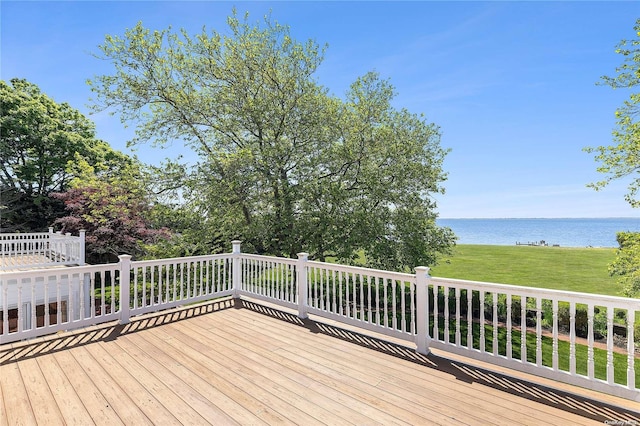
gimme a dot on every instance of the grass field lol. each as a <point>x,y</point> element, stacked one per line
<point>574,269</point>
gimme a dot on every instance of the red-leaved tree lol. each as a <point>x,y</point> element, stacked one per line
<point>115,217</point>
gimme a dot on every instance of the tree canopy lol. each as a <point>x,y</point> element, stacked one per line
<point>283,165</point>
<point>114,207</point>
<point>39,141</point>
<point>626,265</point>
<point>622,159</point>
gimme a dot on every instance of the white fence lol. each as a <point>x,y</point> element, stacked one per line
<point>569,337</point>
<point>41,249</point>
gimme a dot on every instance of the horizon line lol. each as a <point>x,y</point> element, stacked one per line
<point>544,217</point>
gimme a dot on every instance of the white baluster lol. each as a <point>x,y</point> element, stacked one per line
<point>59,300</point>
<point>33,322</point>
<point>413,308</point>
<point>482,320</point>
<point>495,323</point>
<point>322,289</point>
<point>523,329</point>
<point>436,312</point>
<point>21,317</point>
<point>539,332</point>
<point>5,306</point>
<point>631,377</point>
<point>362,313</point>
<point>555,334</point>
<point>610,375</point>
<point>335,309</point>
<point>469,319</point>
<point>394,305</point>
<point>509,327</point>
<point>46,319</point>
<point>572,338</point>
<point>446,314</point>
<point>458,316</point>
<point>590,355</point>
<point>370,282</point>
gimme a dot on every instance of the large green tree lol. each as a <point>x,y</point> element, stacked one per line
<point>622,158</point>
<point>282,165</point>
<point>39,138</point>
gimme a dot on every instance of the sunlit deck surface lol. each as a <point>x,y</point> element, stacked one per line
<point>25,262</point>
<point>22,261</point>
<point>246,363</point>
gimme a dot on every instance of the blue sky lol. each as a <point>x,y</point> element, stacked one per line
<point>511,84</point>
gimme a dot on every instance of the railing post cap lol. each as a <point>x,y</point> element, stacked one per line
<point>303,255</point>
<point>125,257</point>
<point>424,269</point>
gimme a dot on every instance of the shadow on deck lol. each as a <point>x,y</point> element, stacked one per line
<point>575,403</point>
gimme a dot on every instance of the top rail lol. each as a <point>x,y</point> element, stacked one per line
<point>545,293</point>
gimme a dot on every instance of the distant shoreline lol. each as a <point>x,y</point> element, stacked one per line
<point>563,232</point>
<point>549,246</point>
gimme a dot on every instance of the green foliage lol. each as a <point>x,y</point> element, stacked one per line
<point>626,266</point>
<point>114,207</point>
<point>191,235</point>
<point>283,165</point>
<point>39,140</point>
<point>622,158</point>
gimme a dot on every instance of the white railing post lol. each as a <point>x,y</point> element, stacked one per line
<point>422,310</point>
<point>48,244</point>
<point>67,247</point>
<point>236,275</point>
<point>125,285</point>
<point>303,285</point>
<point>82,254</point>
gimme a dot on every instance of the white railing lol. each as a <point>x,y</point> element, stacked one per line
<point>371,299</point>
<point>549,333</point>
<point>40,302</point>
<point>565,336</point>
<point>40,250</point>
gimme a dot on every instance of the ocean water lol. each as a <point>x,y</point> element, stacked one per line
<point>594,232</point>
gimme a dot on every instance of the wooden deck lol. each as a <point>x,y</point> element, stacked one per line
<point>26,262</point>
<point>249,364</point>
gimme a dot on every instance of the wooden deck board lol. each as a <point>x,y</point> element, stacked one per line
<point>71,407</point>
<point>225,363</point>
<point>335,400</point>
<point>375,370</point>
<point>362,388</point>
<point>213,364</point>
<point>48,412</point>
<point>401,373</point>
<point>170,375</point>
<point>16,399</point>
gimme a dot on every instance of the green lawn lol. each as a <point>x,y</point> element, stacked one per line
<point>561,268</point>
<point>600,355</point>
